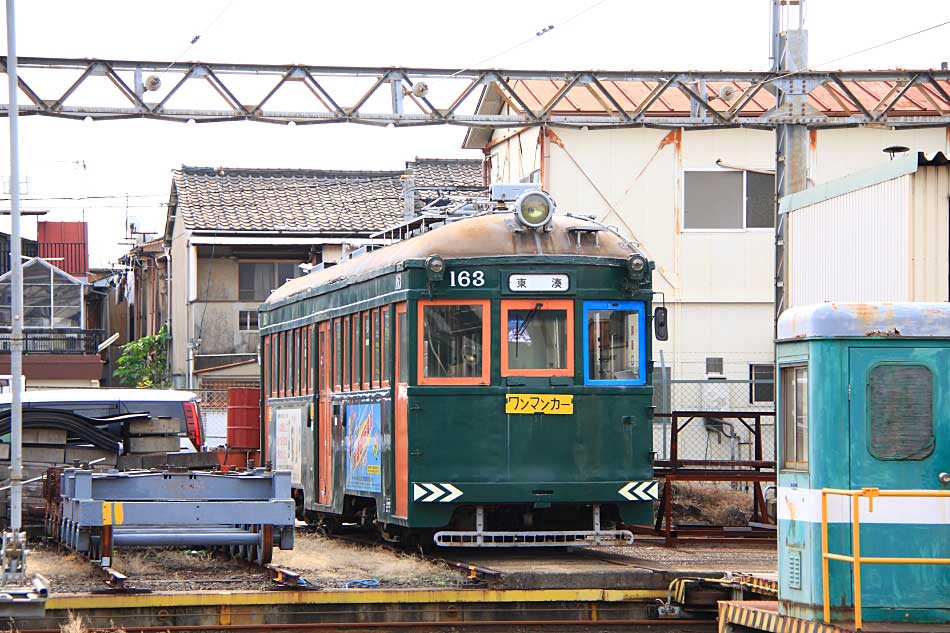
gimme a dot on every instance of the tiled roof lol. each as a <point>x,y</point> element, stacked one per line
<point>305,200</point>
<point>442,172</point>
<point>288,200</point>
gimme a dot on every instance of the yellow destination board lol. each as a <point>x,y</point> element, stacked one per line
<point>549,404</point>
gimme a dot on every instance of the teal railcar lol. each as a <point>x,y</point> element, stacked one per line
<point>864,408</point>
<point>487,382</point>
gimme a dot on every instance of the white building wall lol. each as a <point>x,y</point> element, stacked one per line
<point>718,284</point>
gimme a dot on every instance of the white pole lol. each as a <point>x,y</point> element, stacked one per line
<point>16,295</point>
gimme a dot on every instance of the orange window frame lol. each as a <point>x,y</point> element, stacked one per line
<point>376,348</point>
<point>385,314</point>
<point>485,377</point>
<point>366,345</point>
<point>265,355</point>
<point>346,353</point>
<point>526,304</point>
<point>337,336</point>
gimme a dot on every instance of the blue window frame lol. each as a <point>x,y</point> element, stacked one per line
<point>614,343</point>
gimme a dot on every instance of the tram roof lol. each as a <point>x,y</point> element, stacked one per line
<point>884,319</point>
<point>493,235</point>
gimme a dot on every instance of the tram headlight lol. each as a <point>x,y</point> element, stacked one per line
<point>435,268</point>
<point>534,209</point>
<point>637,266</point>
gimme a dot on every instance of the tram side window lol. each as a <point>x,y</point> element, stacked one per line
<point>387,318</point>
<point>795,417</point>
<point>346,353</point>
<point>265,361</point>
<point>900,412</point>
<point>377,344</point>
<point>357,351</point>
<point>613,342</point>
<point>536,338</point>
<point>451,342</point>
<point>403,358</point>
<point>337,355</point>
<point>367,350</point>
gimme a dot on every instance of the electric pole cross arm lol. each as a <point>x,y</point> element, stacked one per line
<point>213,92</point>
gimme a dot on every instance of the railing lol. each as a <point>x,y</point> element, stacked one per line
<point>56,341</point>
<point>855,558</point>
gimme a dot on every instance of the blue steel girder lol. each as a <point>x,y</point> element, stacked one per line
<point>491,98</point>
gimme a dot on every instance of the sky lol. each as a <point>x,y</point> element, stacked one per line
<point>109,171</point>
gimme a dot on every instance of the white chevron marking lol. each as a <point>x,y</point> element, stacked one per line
<point>436,492</point>
<point>418,491</point>
<point>454,493</point>
<point>640,490</point>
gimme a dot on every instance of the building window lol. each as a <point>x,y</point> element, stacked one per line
<point>614,346</point>
<point>762,386</point>
<point>795,417</point>
<point>247,320</point>
<point>535,338</point>
<point>728,200</point>
<point>900,412</point>
<point>51,298</point>
<point>256,280</point>
<point>451,342</point>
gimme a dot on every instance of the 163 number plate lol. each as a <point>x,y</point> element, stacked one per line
<point>549,404</point>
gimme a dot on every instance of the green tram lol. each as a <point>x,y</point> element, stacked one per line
<point>484,383</point>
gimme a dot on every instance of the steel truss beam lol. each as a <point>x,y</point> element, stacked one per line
<point>431,96</point>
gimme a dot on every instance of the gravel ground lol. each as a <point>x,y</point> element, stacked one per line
<point>323,562</point>
<point>331,563</point>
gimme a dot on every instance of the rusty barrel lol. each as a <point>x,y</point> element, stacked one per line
<point>244,418</point>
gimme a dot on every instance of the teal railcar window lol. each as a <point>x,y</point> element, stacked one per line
<point>367,350</point>
<point>452,339</point>
<point>900,412</point>
<point>337,354</point>
<point>357,352</point>
<point>795,417</point>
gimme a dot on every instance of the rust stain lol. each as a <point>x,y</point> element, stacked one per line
<point>893,332</point>
<point>553,137</point>
<point>813,140</point>
<point>675,138</point>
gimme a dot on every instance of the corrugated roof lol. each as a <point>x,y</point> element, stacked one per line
<point>307,200</point>
<point>828,100</point>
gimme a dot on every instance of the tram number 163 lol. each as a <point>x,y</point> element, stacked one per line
<point>464,278</point>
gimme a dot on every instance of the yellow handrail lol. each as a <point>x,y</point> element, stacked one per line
<point>856,559</point>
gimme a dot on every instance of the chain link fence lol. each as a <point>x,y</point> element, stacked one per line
<point>213,404</point>
<point>709,437</point>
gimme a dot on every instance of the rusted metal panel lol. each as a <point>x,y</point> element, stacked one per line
<point>66,245</point>
<point>884,319</point>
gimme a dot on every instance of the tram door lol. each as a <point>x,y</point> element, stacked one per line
<point>900,440</point>
<point>401,409</point>
<point>325,424</point>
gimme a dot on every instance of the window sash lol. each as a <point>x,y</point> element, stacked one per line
<point>794,422</point>
<point>483,378</point>
<point>637,308</point>
<point>697,196</point>
<point>521,305</point>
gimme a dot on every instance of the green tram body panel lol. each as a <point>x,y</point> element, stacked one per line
<point>460,434</point>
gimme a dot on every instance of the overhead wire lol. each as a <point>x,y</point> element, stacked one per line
<point>198,36</point>
<point>544,31</point>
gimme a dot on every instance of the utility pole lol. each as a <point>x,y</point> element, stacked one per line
<point>789,55</point>
<point>14,542</point>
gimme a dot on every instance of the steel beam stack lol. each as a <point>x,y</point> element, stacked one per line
<point>246,512</point>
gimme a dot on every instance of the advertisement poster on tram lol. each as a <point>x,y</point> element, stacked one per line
<point>363,447</point>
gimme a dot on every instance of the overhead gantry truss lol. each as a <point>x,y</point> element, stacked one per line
<point>300,94</point>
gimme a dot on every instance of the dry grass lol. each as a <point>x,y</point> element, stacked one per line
<point>695,502</point>
<point>73,624</point>
<point>329,561</point>
<point>55,565</point>
<point>150,562</point>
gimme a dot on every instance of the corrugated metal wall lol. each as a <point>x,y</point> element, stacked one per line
<point>886,242</point>
<point>65,244</point>
<point>853,247</point>
<point>930,238</point>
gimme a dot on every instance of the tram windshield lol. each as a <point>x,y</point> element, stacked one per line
<point>613,345</point>
<point>537,338</point>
